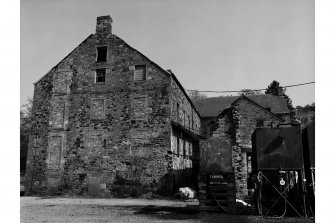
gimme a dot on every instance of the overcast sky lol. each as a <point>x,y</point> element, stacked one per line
<point>209,45</point>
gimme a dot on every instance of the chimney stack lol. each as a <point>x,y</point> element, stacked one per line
<point>104,25</point>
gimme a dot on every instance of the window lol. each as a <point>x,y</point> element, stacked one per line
<point>57,114</point>
<point>184,149</point>
<point>55,149</point>
<point>100,75</point>
<point>178,145</point>
<point>259,122</point>
<point>189,121</point>
<point>102,54</point>
<point>178,118</point>
<point>184,119</point>
<point>190,150</point>
<point>140,106</point>
<point>140,73</point>
<point>98,108</point>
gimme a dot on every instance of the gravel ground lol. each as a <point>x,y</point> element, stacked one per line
<point>39,209</point>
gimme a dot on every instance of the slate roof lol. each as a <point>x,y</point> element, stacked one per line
<point>211,107</point>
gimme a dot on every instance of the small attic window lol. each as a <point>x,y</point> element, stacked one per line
<point>140,73</point>
<point>100,75</point>
<point>260,123</point>
<point>102,54</point>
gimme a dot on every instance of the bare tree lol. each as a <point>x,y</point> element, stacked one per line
<point>250,92</point>
<point>195,95</point>
<point>25,124</point>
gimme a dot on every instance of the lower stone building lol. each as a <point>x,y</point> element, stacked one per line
<point>235,118</point>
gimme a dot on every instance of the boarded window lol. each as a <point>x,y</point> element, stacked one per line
<point>98,108</point>
<point>139,107</point>
<point>102,54</point>
<point>62,80</point>
<point>96,145</point>
<point>100,75</point>
<point>140,136</point>
<point>57,113</point>
<point>140,73</point>
<point>55,152</point>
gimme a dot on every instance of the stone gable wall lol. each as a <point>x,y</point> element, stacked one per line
<point>117,153</point>
<point>238,124</point>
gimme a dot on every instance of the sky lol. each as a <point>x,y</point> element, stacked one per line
<point>210,45</point>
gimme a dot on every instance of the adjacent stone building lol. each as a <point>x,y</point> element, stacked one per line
<point>108,121</point>
<point>235,118</point>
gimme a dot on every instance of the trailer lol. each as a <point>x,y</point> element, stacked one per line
<point>280,165</point>
<point>308,144</point>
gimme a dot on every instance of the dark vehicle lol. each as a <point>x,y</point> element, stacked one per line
<point>280,161</point>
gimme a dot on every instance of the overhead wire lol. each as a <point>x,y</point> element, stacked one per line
<point>287,86</point>
<point>234,91</point>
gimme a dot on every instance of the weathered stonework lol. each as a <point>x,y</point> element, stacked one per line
<point>109,138</point>
<point>237,124</point>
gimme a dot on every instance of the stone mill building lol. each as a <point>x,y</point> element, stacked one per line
<point>108,121</point>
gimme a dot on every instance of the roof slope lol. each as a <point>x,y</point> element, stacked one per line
<point>211,107</point>
<point>171,74</point>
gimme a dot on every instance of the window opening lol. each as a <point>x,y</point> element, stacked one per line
<point>100,75</point>
<point>140,73</point>
<point>102,54</point>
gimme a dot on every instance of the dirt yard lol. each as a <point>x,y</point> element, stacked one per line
<point>38,209</point>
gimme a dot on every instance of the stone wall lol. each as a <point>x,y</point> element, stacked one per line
<point>105,139</point>
<point>182,111</point>
<point>238,124</point>
<point>38,139</point>
<point>184,144</point>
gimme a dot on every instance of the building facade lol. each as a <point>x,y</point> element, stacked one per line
<point>234,119</point>
<point>108,121</point>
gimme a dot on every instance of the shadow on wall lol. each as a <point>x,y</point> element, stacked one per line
<point>167,186</point>
<point>171,182</point>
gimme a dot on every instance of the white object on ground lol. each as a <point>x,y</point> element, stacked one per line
<point>243,202</point>
<point>187,192</point>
